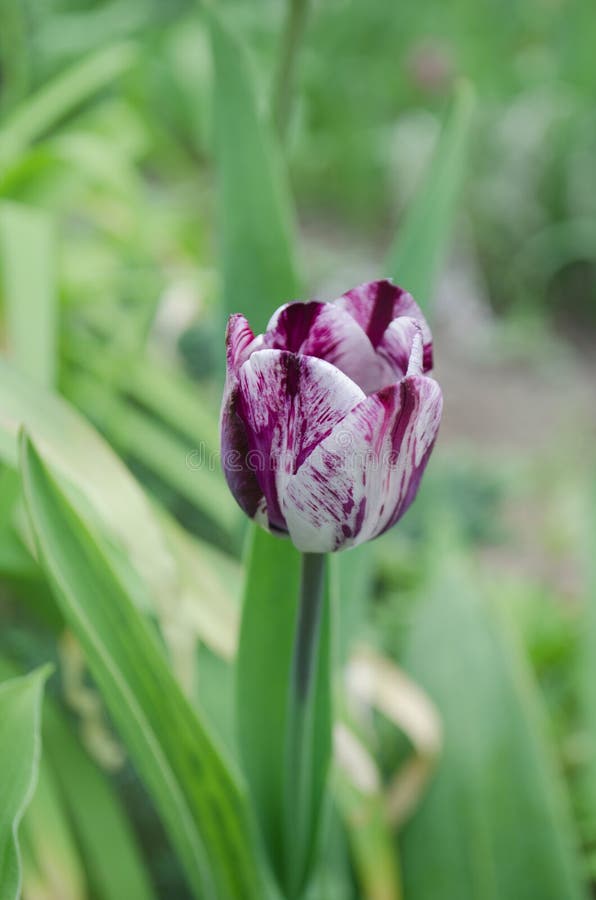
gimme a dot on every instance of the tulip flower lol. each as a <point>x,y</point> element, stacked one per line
<point>329,418</point>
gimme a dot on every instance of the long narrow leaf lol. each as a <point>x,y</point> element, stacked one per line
<point>52,867</point>
<point>109,848</point>
<point>55,100</point>
<point>109,854</point>
<point>494,822</point>
<point>191,471</point>
<point>421,243</point>
<point>84,459</point>
<point>259,271</point>
<point>196,794</point>
<point>20,722</point>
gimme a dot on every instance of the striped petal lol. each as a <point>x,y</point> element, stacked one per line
<point>376,304</point>
<point>362,478</point>
<point>288,404</point>
<point>240,341</point>
<point>329,332</point>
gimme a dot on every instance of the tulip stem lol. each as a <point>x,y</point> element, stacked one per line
<point>309,620</point>
<point>306,746</point>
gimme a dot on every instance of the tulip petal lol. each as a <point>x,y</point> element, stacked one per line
<point>397,345</point>
<point>362,478</point>
<point>328,332</point>
<point>289,404</point>
<point>375,304</point>
<point>239,338</point>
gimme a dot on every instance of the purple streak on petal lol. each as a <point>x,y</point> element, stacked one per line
<point>413,438</point>
<point>290,326</point>
<point>372,306</point>
<point>377,303</point>
<point>330,333</point>
<point>348,492</point>
<point>382,311</point>
<point>241,478</point>
<point>289,404</point>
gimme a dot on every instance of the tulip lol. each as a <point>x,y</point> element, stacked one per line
<point>329,418</point>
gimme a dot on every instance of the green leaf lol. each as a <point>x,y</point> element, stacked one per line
<point>418,252</point>
<point>20,712</point>
<point>109,856</point>
<point>264,699</point>
<point>51,863</point>
<point>198,797</point>
<point>108,846</point>
<point>28,288</point>
<point>495,822</point>
<point>255,220</point>
<point>39,113</point>
<point>86,461</point>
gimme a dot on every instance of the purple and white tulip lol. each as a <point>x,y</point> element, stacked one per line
<point>329,418</point>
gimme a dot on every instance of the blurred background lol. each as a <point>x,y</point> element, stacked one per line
<point>451,146</point>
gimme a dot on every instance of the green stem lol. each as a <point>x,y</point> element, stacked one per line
<point>301,723</point>
<point>289,45</point>
<point>309,620</point>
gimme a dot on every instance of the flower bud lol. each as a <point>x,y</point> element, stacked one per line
<point>329,418</point>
